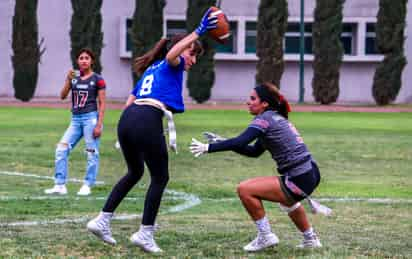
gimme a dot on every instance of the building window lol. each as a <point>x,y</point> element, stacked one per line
<point>292,38</point>
<point>174,27</point>
<point>129,23</point>
<point>347,38</point>
<point>370,41</point>
<point>230,46</point>
<point>250,37</point>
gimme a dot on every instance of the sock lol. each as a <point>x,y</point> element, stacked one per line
<point>263,226</point>
<point>106,215</point>
<point>309,233</point>
<point>147,230</point>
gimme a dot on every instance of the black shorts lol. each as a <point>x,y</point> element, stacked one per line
<point>306,182</point>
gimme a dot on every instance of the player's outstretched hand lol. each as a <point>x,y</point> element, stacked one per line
<point>207,23</point>
<point>211,137</point>
<point>198,148</point>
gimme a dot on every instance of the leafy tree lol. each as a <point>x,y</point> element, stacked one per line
<point>86,30</point>
<point>202,75</point>
<point>147,27</point>
<point>390,41</point>
<point>26,49</point>
<point>327,49</point>
<point>271,27</point>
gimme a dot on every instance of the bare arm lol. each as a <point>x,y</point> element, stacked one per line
<point>172,56</point>
<point>101,99</point>
<point>130,100</point>
<point>66,87</point>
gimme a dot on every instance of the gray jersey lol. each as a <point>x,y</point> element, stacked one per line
<point>284,142</point>
<point>85,92</point>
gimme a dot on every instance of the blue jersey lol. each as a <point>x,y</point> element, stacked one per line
<point>162,82</point>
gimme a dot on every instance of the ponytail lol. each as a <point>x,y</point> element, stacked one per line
<point>284,107</point>
<point>159,51</point>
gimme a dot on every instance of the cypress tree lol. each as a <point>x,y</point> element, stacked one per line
<point>86,30</point>
<point>327,49</point>
<point>271,27</point>
<point>201,76</point>
<point>26,49</point>
<point>390,41</point>
<point>147,27</point>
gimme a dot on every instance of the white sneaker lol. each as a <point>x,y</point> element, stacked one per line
<point>145,241</point>
<point>262,242</point>
<point>57,189</point>
<point>84,190</point>
<point>100,227</point>
<point>312,242</point>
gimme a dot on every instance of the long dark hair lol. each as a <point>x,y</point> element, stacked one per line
<point>159,51</point>
<point>88,52</point>
<point>269,93</point>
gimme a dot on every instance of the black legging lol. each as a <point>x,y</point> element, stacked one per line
<point>140,134</point>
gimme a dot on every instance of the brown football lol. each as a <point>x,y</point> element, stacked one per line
<point>222,32</point>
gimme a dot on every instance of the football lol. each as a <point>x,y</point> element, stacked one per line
<point>222,32</point>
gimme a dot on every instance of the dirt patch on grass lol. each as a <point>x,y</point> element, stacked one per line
<point>56,103</point>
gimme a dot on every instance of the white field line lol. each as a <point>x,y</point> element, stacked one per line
<point>42,177</point>
<point>190,200</point>
<point>333,199</point>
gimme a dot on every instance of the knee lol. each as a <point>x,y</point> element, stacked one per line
<point>92,154</point>
<point>242,190</point>
<point>62,149</point>
<point>161,180</point>
<point>290,209</point>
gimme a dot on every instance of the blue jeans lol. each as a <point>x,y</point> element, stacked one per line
<point>82,125</point>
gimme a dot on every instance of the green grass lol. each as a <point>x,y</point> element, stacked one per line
<point>361,155</point>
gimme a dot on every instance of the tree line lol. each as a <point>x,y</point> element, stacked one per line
<point>272,20</point>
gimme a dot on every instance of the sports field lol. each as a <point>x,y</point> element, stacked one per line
<point>365,161</point>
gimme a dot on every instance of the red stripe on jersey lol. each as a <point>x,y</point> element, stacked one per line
<point>260,123</point>
<point>101,83</point>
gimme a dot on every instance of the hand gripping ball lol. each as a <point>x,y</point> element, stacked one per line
<point>222,32</point>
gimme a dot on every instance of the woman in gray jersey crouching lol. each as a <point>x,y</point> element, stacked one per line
<point>299,174</point>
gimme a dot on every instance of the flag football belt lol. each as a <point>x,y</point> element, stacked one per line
<point>169,116</point>
<point>315,206</point>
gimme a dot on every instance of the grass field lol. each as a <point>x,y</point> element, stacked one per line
<point>361,156</point>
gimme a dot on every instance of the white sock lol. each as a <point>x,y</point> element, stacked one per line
<point>106,215</point>
<point>147,230</point>
<point>309,233</point>
<point>263,226</point>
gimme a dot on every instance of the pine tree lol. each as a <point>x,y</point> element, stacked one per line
<point>327,49</point>
<point>86,30</point>
<point>201,76</point>
<point>26,49</point>
<point>147,28</point>
<point>390,42</point>
<point>271,28</point>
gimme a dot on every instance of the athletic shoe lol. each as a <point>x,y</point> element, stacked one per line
<point>312,242</point>
<point>145,241</point>
<point>84,190</point>
<point>100,227</point>
<point>57,189</point>
<point>262,241</point>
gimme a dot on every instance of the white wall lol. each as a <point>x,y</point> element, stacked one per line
<point>234,78</point>
<point>6,75</point>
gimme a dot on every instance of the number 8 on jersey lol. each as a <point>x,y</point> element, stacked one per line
<point>146,85</point>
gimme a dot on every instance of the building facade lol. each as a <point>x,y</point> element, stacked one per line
<point>235,63</point>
